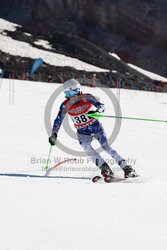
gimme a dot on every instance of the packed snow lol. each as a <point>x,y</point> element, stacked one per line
<point>70,214</point>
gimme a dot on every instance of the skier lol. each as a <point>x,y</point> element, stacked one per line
<point>78,105</point>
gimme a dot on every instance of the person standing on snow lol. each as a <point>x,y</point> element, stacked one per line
<point>78,105</point>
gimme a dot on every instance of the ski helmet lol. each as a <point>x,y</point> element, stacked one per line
<point>71,88</point>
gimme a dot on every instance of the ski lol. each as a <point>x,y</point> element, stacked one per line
<point>111,179</point>
<point>96,178</point>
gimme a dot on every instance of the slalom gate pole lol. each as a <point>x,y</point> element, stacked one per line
<point>119,94</point>
<point>10,90</point>
<point>97,116</point>
<point>1,79</point>
<point>13,78</point>
<point>48,160</point>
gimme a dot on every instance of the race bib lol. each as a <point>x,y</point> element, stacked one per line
<point>82,120</point>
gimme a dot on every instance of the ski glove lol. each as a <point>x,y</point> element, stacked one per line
<point>52,139</point>
<point>99,110</point>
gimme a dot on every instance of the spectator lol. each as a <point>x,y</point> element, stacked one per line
<point>94,79</point>
<point>49,78</point>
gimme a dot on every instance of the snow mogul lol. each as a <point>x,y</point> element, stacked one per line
<point>79,106</point>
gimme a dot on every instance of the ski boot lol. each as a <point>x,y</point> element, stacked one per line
<point>106,172</point>
<point>129,172</point>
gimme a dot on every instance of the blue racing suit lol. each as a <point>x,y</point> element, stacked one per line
<point>87,128</point>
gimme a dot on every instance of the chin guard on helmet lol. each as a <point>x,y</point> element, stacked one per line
<point>72,92</point>
<point>71,88</point>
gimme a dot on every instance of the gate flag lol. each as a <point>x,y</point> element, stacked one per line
<point>37,63</point>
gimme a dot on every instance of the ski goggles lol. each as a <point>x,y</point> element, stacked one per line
<point>71,92</point>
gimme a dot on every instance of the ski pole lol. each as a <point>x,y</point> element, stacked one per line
<point>97,116</point>
<point>48,160</point>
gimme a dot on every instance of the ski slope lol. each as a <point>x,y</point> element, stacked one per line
<point>74,213</point>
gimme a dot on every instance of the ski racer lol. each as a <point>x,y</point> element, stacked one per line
<point>78,106</point>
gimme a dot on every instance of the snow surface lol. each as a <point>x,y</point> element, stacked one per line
<point>151,75</point>
<point>23,49</point>
<point>69,214</point>
<point>6,25</point>
<point>44,44</point>
<point>114,55</point>
<point>148,73</point>
<point>27,34</point>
